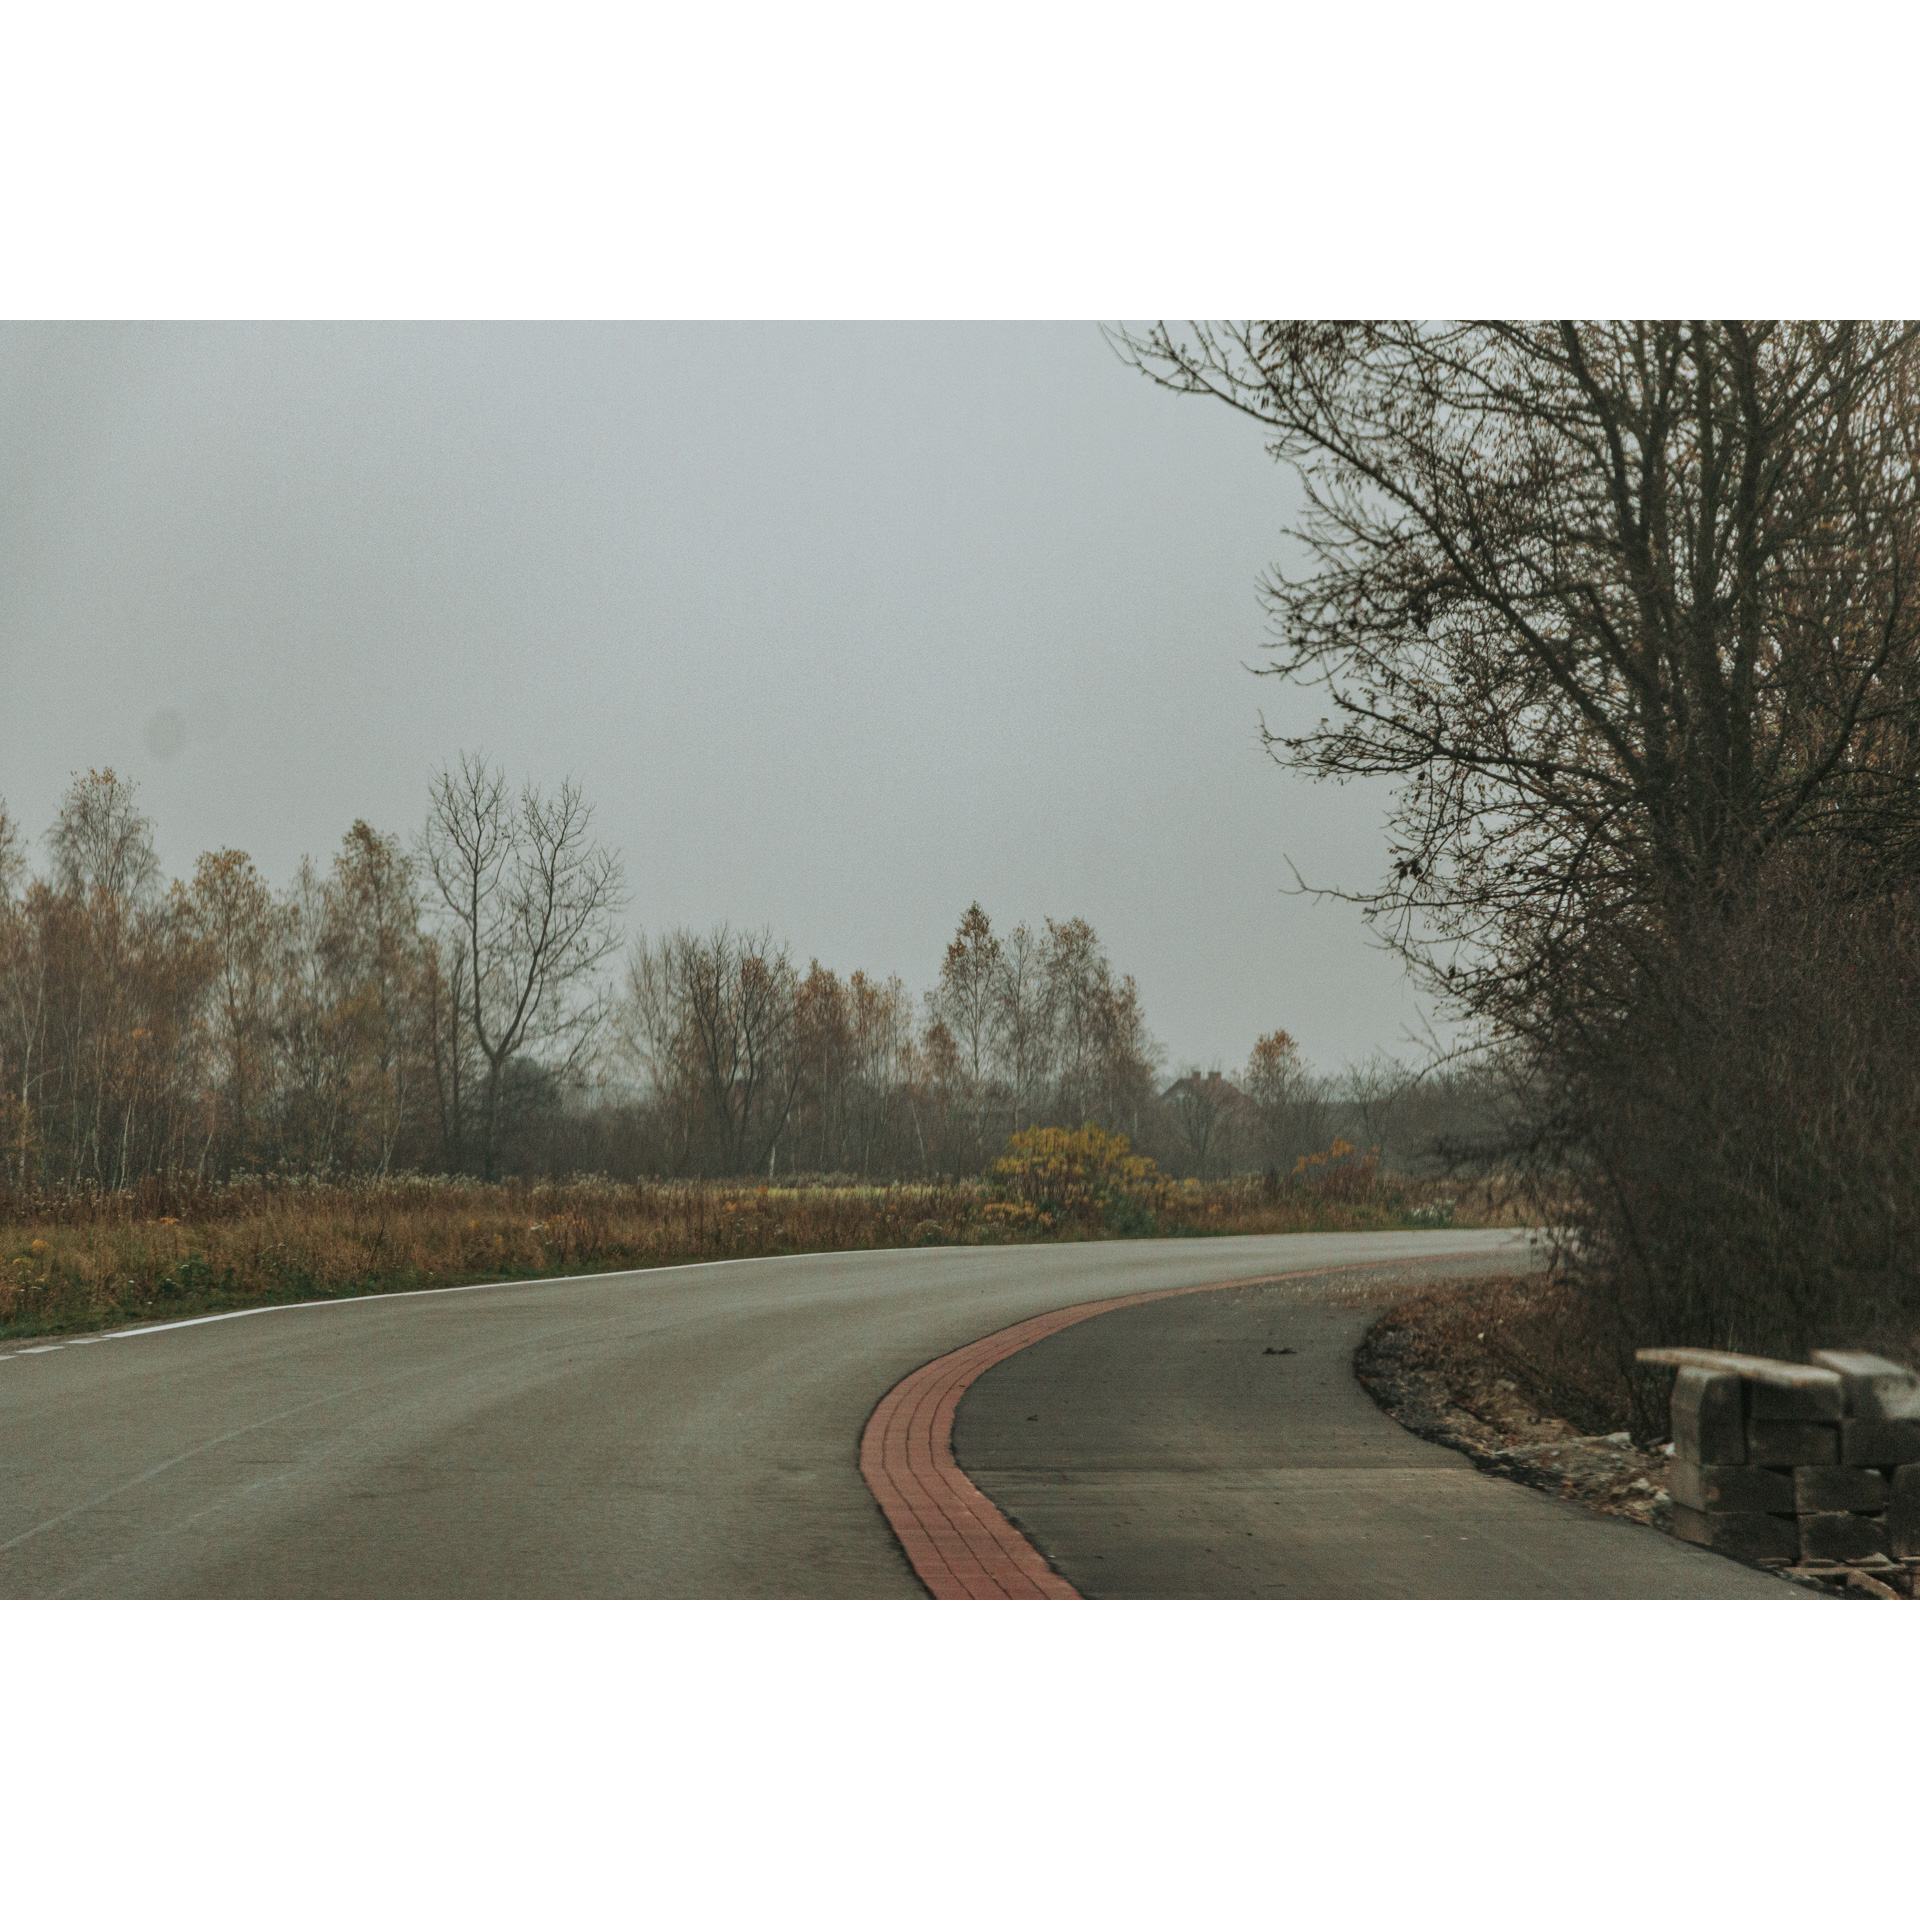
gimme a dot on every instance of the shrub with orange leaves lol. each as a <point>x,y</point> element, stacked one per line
<point>1340,1172</point>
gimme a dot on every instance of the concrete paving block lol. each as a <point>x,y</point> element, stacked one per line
<point>1709,1489</point>
<point>1746,1536</point>
<point>1709,1417</point>
<point>1792,1443</point>
<point>1903,1513</point>
<point>1776,1389</point>
<point>1875,1388</point>
<point>1841,1536</point>
<point>1837,1490</point>
<point>1749,1366</point>
<point>1879,1443</point>
<point>1818,1399</point>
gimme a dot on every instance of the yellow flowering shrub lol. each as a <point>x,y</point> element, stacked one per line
<point>1053,1174</point>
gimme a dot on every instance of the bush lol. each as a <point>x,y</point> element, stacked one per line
<point>1341,1173</point>
<point>1051,1176</point>
<point>1749,1126</point>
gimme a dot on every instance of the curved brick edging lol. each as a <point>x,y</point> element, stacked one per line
<point>961,1545</point>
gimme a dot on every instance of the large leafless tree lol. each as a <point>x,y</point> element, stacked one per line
<point>1629,615</point>
<point>1620,608</point>
<point>532,905</point>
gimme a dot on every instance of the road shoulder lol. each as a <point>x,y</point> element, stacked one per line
<point>1219,1445</point>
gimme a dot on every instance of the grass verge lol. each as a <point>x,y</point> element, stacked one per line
<point>89,1259</point>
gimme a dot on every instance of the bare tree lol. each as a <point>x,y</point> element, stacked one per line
<point>1024,1025</point>
<point>1202,1105</point>
<point>713,1020</point>
<point>967,1004</point>
<point>13,858</point>
<point>102,844</point>
<point>1628,614</point>
<point>532,907</point>
<point>1374,1092</point>
<point>1621,608</point>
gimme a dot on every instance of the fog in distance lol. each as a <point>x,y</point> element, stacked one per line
<point>841,626</point>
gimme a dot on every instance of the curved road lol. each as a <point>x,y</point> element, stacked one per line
<point>688,1431</point>
<point>1218,1446</point>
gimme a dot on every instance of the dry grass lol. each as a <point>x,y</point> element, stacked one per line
<point>86,1259</point>
<point>1554,1349</point>
<point>1526,1342</point>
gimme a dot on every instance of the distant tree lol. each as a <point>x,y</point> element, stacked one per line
<point>880,1021</point>
<point>1202,1105</point>
<point>13,858</point>
<point>1024,1024</point>
<point>102,843</point>
<point>823,1037</point>
<point>383,961</point>
<point>531,904</point>
<point>1288,1113</point>
<point>235,916</point>
<point>1104,1056</point>
<point>951,1125</point>
<point>965,998</point>
<point>714,1019</point>
<point>739,997</point>
<point>313,1030</point>
<point>22,1003</point>
<point>967,1006</point>
<point>104,1001</point>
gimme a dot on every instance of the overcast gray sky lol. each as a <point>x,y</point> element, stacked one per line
<point>840,626</point>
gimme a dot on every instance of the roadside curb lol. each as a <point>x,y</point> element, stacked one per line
<point>959,1543</point>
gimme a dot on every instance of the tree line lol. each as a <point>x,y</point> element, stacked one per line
<point>457,1003</point>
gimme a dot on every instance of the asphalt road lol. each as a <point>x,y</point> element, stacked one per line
<point>688,1432</point>
<point>1219,1446</point>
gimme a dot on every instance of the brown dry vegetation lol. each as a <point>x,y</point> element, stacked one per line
<point>92,1258</point>
<point>1511,1350</point>
<point>1504,1371</point>
<point>1524,1377</point>
<point>1526,1356</point>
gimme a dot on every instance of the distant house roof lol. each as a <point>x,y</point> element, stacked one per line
<point>1213,1086</point>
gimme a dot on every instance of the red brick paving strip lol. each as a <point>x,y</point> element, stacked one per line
<point>961,1545</point>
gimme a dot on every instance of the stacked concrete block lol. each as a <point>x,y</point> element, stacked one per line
<point>1793,1466</point>
<point>1880,1437</point>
